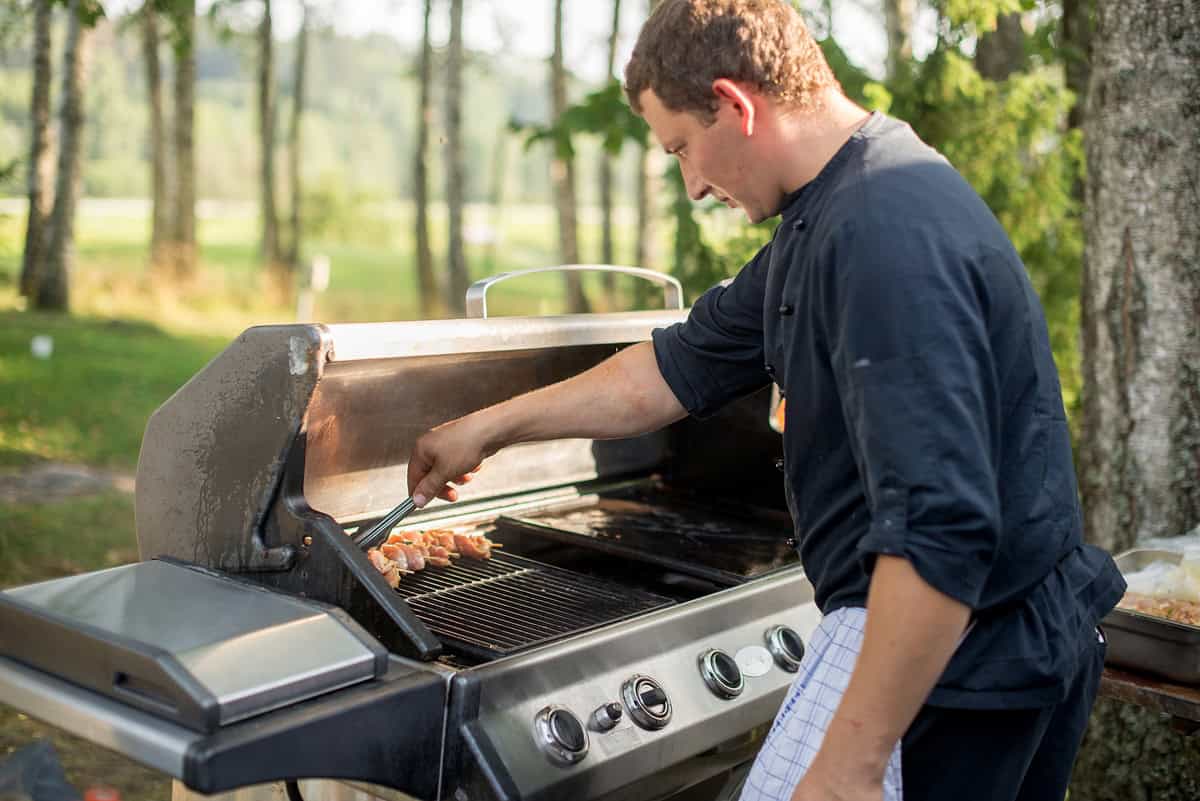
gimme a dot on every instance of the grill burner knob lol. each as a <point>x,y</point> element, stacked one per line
<point>721,673</point>
<point>786,646</point>
<point>646,701</point>
<point>560,735</point>
<point>605,717</point>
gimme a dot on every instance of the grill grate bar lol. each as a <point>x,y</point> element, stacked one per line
<point>505,604</point>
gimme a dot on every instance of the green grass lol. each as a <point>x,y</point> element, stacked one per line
<point>88,403</point>
<point>46,540</point>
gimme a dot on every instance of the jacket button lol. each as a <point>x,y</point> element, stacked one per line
<point>779,465</point>
<point>799,225</point>
<point>786,309</point>
<point>770,369</point>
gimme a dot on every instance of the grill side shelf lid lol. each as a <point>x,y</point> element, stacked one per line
<point>188,646</point>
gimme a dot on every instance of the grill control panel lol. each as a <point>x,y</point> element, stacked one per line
<point>624,703</point>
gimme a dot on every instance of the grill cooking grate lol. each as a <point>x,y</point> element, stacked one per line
<point>498,606</point>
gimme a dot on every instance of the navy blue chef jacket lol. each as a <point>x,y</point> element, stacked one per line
<point>924,415</point>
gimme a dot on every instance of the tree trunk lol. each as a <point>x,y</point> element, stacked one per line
<point>53,290</point>
<point>183,224</point>
<point>41,153</point>
<point>295,140</point>
<point>1140,437</point>
<point>269,246</point>
<point>1076,52</point>
<point>606,176</point>
<point>496,195</point>
<point>562,172</point>
<point>899,18</point>
<point>159,220</point>
<point>649,188</point>
<point>1001,52</point>
<point>427,285</point>
<point>457,277</point>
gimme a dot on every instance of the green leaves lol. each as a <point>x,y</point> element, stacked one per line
<point>603,113</point>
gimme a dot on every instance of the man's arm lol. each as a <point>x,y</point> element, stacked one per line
<point>911,632</point>
<point>623,396</point>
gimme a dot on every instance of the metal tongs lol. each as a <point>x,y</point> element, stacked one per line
<point>371,537</point>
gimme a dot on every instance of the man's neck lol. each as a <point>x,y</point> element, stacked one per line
<point>808,141</point>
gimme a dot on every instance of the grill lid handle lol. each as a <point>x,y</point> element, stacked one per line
<point>672,290</point>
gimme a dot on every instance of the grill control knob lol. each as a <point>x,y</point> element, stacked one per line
<point>646,701</point>
<point>605,717</point>
<point>721,673</point>
<point>560,735</point>
<point>786,646</point>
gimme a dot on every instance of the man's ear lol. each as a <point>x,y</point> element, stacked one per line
<point>730,91</point>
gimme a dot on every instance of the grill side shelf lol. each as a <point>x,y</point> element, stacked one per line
<point>492,608</point>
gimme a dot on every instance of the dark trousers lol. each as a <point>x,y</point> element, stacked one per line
<point>1008,755</point>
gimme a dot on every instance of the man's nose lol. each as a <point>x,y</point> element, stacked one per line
<point>696,188</point>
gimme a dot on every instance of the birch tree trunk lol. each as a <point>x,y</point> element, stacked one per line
<point>269,246</point>
<point>41,152</point>
<point>295,138</point>
<point>427,285</point>
<point>53,288</point>
<point>562,173</point>
<point>183,214</point>
<point>456,260</point>
<point>159,219</point>
<point>606,175</point>
<point>1140,437</point>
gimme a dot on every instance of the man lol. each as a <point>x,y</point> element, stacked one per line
<point>928,464</point>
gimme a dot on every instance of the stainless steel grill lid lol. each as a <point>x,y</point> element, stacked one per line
<point>185,644</point>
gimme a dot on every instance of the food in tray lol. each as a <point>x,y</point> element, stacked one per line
<point>409,551</point>
<point>1179,611</point>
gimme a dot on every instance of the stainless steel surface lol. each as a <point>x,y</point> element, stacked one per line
<point>588,671</point>
<point>372,536</point>
<point>370,341</point>
<point>477,292</point>
<point>150,740</point>
<point>1147,642</point>
<point>365,417</point>
<point>545,732</point>
<point>252,650</point>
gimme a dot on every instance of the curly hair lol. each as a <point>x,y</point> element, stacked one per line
<point>687,44</point>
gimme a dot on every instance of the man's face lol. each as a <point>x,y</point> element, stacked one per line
<point>714,159</point>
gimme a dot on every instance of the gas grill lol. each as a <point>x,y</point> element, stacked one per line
<point>633,636</point>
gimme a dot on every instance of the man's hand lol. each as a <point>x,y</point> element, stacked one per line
<point>446,456</point>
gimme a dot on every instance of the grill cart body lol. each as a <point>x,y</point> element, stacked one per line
<point>635,635</point>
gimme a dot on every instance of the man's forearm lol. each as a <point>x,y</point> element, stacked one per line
<point>911,632</point>
<point>622,396</point>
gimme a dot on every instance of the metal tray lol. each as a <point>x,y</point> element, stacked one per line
<point>1147,642</point>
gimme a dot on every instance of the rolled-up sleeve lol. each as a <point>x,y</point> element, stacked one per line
<point>716,355</point>
<point>912,358</point>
